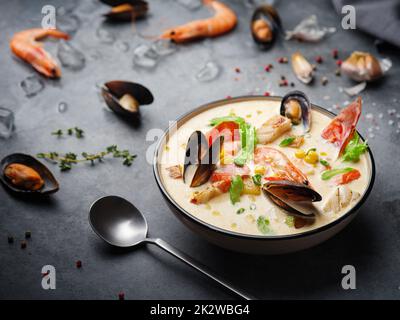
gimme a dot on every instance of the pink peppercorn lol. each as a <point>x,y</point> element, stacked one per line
<point>339,62</point>
<point>78,264</point>
<point>318,59</point>
<point>121,296</point>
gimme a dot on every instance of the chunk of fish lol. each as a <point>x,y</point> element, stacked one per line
<point>210,192</point>
<point>175,172</point>
<point>273,128</point>
<point>339,199</point>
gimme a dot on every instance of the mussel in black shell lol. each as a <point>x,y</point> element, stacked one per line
<point>22,173</point>
<point>292,197</point>
<point>202,157</point>
<point>125,97</point>
<point>296,106</point>
<point>265,25</point>
<point>128,10</point>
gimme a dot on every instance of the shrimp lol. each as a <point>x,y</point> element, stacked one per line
<point>281,168</point>
<point>222,22</point>
<point>24,45</point>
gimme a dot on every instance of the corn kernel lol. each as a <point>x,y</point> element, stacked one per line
<point>260,170</point>
<point>311,157</point>
<point>300,154</point>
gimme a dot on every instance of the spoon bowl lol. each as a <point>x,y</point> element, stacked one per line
<point>118,222</point>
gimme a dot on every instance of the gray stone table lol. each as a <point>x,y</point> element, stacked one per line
<point>61,234</point>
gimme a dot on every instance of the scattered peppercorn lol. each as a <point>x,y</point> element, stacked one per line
<point>237,70</point>
<point>337,72</point>
<point>267,94</point>
<point>283,60</point>
<point>339,63</point>
<point>335,53</point>
<point>267,69</point>
<point>283,77</point>
<point>283,83</point>
<point>121,296</point>
<point>78,264</point>
<point>228,97</point>
<point>23,244</point>
<point>10,239</point>
<point>45,274</point>
<point>319,59</point>
<point>28,234</point>
<point>324,81</point>
<point>292,84</point>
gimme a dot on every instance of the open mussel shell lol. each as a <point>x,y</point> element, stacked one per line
<point>128,11</point>
<point>201,157</point>
<point>114,3</point>
<point>297,107</point>
<point>50,183</point>
<point>265,25</point>
<point>302,68</point>
<point>292,197</point>
<point>125,97</point>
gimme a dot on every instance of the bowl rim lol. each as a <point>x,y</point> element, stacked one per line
<point>234,234</point>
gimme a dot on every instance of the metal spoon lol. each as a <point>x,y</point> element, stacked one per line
<point>121,224</point>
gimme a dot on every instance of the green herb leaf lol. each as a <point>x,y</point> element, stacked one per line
<point>236,189</point>
<point>240,211</point>
<point>263,225</point>
<point>324,162</point>
<point>257,179</point>
<point>290,221</point>
<point>354,149</point>
<point>328,174</point>
<point>57,133</point>
<point>287,142</point>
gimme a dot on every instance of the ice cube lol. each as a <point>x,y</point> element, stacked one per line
<point>62,107</point>
<point>32,85</point>
<point>105,36</point>
<point>145,56</point>
<point>6,122</point>
<point>122,46</point>
<point>70,57</point>
<point>163,47</point>
<point>190,4</point>
<point>209,72</point>
<point>68,23</point>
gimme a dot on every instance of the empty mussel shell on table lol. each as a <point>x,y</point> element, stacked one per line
<point>292,197</point>
<point>297,107</point>
<point>201,157</point>
<point>125,97</point>
<point>24,174</point>
<point>363,66</point>
<point>302,68</point>
<point>265,25</point>
<point>128,11</point>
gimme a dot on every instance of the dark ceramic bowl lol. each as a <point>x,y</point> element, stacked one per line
<point>256,244</point>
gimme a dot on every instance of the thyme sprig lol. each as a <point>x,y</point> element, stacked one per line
<point>67,160</point>
<point>79,133</point>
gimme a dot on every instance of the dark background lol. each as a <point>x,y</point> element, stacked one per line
<point>60,230</point>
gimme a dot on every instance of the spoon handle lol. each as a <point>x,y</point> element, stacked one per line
<point>198,266</point>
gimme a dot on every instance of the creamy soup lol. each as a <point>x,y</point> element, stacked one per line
<point>244,215</point>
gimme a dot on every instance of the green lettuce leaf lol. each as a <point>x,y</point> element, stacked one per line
<point>236,189</point>
<point>354,149</point>
<point>328,174</point>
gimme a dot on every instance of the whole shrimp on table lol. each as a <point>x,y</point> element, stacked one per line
<point>222,22</point>
<point>24,45</point>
